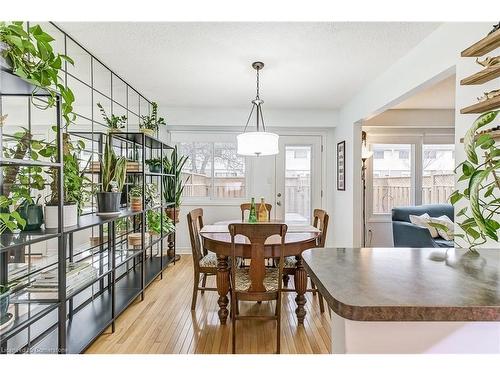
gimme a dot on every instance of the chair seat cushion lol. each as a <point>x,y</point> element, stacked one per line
<point>290,262</point>
<point>243,281</point>
<point>209,260</point>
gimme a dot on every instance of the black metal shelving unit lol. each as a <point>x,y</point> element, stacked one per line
<point>69,320</point>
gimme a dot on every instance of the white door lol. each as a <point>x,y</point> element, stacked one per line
<point>298,178</point>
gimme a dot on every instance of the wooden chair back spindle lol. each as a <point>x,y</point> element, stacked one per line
<point>321,219</point>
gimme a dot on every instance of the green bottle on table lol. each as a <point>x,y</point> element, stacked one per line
<point>252,218</point>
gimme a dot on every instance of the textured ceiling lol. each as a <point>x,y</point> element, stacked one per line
<point>438,96</point>
<point>308,65</point>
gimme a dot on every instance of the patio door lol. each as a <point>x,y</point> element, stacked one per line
<point>298,178</point>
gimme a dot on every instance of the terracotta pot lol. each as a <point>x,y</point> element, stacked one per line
<point>96,240</point>
<point>136,204</point>
<point>170,213</point>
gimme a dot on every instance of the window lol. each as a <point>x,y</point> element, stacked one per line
<point>438,179</point>
<point>213,170</point>
<point>391,177</point>
<point>399,179</point>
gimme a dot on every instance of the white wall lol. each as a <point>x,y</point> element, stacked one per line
<point>430,61</point>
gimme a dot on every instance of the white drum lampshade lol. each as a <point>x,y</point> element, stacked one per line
<point>257,144</point>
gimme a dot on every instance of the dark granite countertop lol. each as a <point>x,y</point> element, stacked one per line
<point>406,284</point>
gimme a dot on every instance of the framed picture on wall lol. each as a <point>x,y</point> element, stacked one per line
<point>341,165</point>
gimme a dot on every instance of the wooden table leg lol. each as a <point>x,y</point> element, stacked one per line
<point>222,287</point>
<point>300,279</point>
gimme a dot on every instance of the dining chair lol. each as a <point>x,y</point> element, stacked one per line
<point>257,282</point>
<point>320,221</point>
<point>246,207</point>
<point>205,263</point>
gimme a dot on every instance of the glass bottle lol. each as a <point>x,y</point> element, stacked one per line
<point>263,214</point>
<point>252,218</point>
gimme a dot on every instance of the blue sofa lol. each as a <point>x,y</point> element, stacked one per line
<point>406,234</point>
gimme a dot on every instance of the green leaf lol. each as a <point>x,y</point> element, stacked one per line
<point>462,212</point>
<point>455,197</point>
<point>489,191</point>
<point>473,233</point>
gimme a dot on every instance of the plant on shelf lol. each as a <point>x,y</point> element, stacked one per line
<point>19,181</point>
<point>135,194</point>
<point>152,195</point>
<point>151,123</point>
<point>154,165</point>
<point>173,187</point>
<point>76,186</point>
<point>31,57</point>
<point>113,174</point>
<point>114,123</point>
<point>480,217</point>
<point>158,223</point>
<point>9,219</point>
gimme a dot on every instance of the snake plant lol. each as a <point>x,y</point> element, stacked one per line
<point>173,166</point>
<point>114,170</point>
<point>479,220</point>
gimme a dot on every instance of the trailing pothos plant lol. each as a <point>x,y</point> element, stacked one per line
<point>480,219</point>
<point>31,57</point>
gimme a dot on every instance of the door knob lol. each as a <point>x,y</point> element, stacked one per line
<point>279,195</point>
<point>278,203</point>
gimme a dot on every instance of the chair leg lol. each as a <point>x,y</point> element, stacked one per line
<point>313,287</point>
<point>286,279</point>
<point>203,282</point>
<point>278,325</point>
<point>321,303</point>
<point>233,321</point>
<point>195,290</point>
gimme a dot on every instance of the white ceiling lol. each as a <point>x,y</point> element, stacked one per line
<point>438,96</point>
<point>308,65</point>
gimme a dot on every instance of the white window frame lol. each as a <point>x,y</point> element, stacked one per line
<point>212,137</point>
<point>417,142</point>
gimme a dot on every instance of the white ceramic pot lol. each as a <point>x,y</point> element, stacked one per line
<point>70,216</point>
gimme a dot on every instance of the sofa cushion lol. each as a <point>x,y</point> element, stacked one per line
<point>424,221</point>
<point>447,231</point>
<point>433,210</point>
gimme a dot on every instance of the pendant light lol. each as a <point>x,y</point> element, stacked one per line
<point>259,142</point>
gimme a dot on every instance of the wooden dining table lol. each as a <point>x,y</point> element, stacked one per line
<point>216,238</point>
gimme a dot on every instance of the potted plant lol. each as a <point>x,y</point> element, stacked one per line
<point>114,123</point>
<point>29,53</point>
<point>157,223</point>
<point>479,218</point>
<point>19,181</point>
<point>75,184</point>
<point>154,165</point>
<point>135,194</point>
<point>173,188</point>
<point>151,123</point>
<point>113,173</point>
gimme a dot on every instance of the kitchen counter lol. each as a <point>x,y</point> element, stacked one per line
<point>406,292</point>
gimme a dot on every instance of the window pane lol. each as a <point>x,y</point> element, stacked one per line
<point>298,184</point>
<point>438,179</point>
<point>198,169</point>
<point>391,177</point>
<point>229,172</point>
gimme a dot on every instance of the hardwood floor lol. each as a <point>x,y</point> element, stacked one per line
<point>164,323</point>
